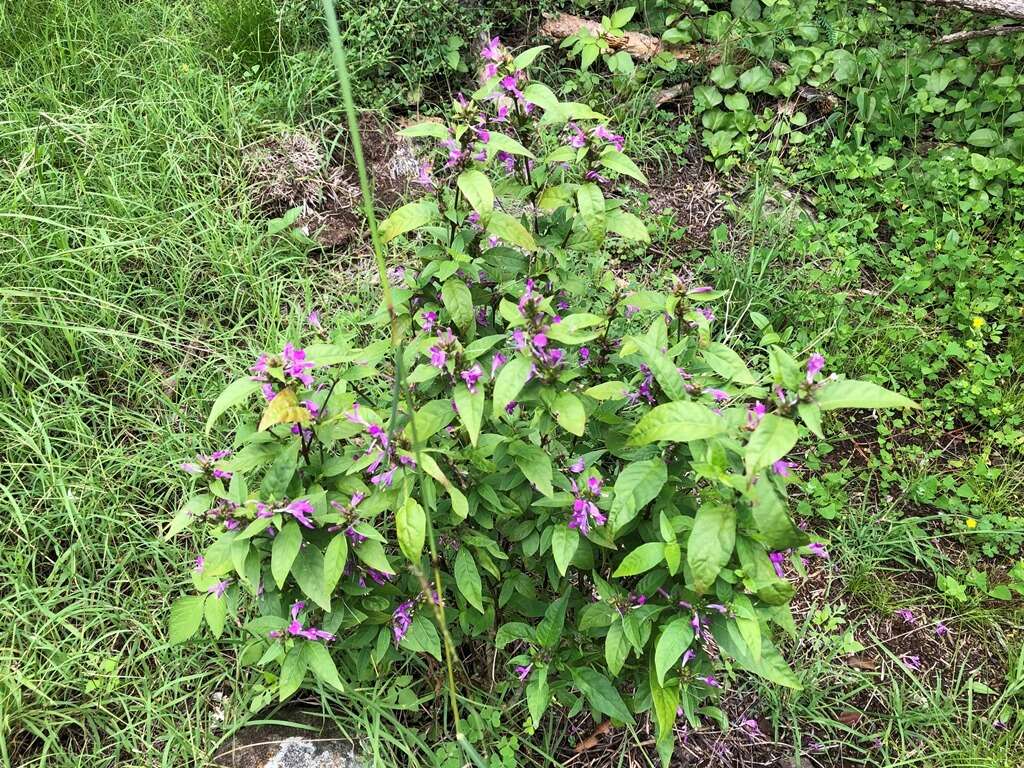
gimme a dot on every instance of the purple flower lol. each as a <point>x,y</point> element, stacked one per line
<point>718,607</point>
<point>601,132</point>
<point>218,589</point>
<point>711,681</point>
<point>301,509</point>
<point>578,466</point>
<point>818,550</point>
<point>631,309</point>
<point>523,672</point>
<point>401,620</point>
<point>472,376</point>
<point>437,357</point>
<point>424,177</point>
<point>231,524</point>
<point>385,478</point>
<point>706,313</point>
<point>200,564</point>
<point>941,629</point>
<point>314,320</point>
<point>492,51</point>
<point>354,536</point>
<point>912,662</point>
<point>750,726</point>
<point>907,616</point>
<point>509,160</point>
<point>584,510</point>
<point>577,138</point>
<point>688,654</point>
<point>755,414</point>
<point>778,558</point>
<point>814,365</point>
<point>584,355</point>
<point>719,395</point>
<point>781,467</point>
<point>481,316</point>
<point>296,365</point>
<point>496,362</point>
<point>428,320</point>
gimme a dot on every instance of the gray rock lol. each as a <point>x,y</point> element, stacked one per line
<point>300,752</point>
<point>319,745</point>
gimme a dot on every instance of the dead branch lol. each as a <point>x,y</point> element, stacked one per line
<point>636,44</point>
<point>971,34</point>
<point>1008,9</point>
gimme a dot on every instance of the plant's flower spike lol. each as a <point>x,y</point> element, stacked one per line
<point>192,468</point>
<point>296,365</point>
<point>818,550</point>
<point>379,577</point>
<point>711,681</point>
<point>424,177</point>
<point>385,478</point>
<point>354,536</point>
<point>718,607</point>
<point>523,672</point>
<point>218,589</point>
<point>750,726</point>
<point>428,320</point>
<point>356,499</point>
<point>268,392</point>
<point>496,362</point>
<point>481,316</point>
<point>200,564</point>
<point>707,314</point>
<point>473,218</point>
<point>231,524</point>
<point>493,50</point>
<point>720,396</point>
<point>261,364</point>
<point>577,138</point>
<point>595,177</point>
<point>907,616</point>
<point>221,474</point>
<point>754,415</point>
<point>688,655</point>
<point>941,629</point>
<point>482,135</point>
<point>584,355</point>
<point>510,408</point>
<point>313,319</point>
<point>814,366</point>
<point>493,241</point>
<point>401,620</point>
<point>437,357</point>
<point>472,376</point>
<point>782,467</point>
<point>301,509</point>
<point>911,661</point>
<point>297,608</point>
<point>540,340</point>
<point>577,467</point>
<point>594,485</point>
<point>778,558</point>
<point>631,309</point>
<point>507,159</point>
<point>638,599</point>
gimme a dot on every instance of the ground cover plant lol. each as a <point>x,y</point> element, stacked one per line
<point>549,567</point>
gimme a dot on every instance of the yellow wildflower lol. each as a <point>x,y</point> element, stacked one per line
<point>977,322</point>
<point>971,523</point>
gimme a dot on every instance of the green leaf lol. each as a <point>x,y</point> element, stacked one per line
<point>641,559</point>
<point>749,625</point>
<point>549,631</point>
<point>430,418</point>
<point>810,413</point>
<point>308,572</point>
<point>541,95</point>
<point>216,610</point>
<point>569,413</point>
<point>458,301</point>
<point>577,328</point>
<point>510,230</point>
<point>774,437</point>
<point>711,543</point>
<point>411,527</point>
<point>196,505</point>
<point>279,476</point>
<point>601,694</point>
<point>983,137</point>
<point>407,218</point>
<point>236,393</point>
<point>771,666</point>
<point>590,202</point>
<point>665,371</point>
<point>621,17</point>
<point>422,637</point>
<point>737,102</point>
<point>756,79</point>
<point>772,521</point>
<point>620,163</point>
<point>616,648</point>
<point>186,617</point>
<point>510,381</point>
<point>426,130</point>
<point>850,393</point>
<point>608,390</point>
<point>499,142</point>
<point>564,542</point>
<point>293,672</point>
<point>538,694</point>
<point>626,225</point>
<point>727,364</point>
<point>536,465</point>
<point>467,578</point>
<point>335,557</point>
<point>680,422</point>
<point>675,638</point>
<point>372,554</point>
<point>637,484</point>
<point>478,192</point>
<point>284,550</point>
<point>665,701</point>
<point>320,663</point>
<point>471,409</point>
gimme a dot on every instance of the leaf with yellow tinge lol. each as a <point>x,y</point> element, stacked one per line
<point>284,409</point>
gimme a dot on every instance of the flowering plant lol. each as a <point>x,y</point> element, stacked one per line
<point>575,473</point>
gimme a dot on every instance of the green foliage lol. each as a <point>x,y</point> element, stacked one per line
<point>592,449</point>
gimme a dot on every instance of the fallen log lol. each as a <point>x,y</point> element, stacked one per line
<point>972,34</point>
